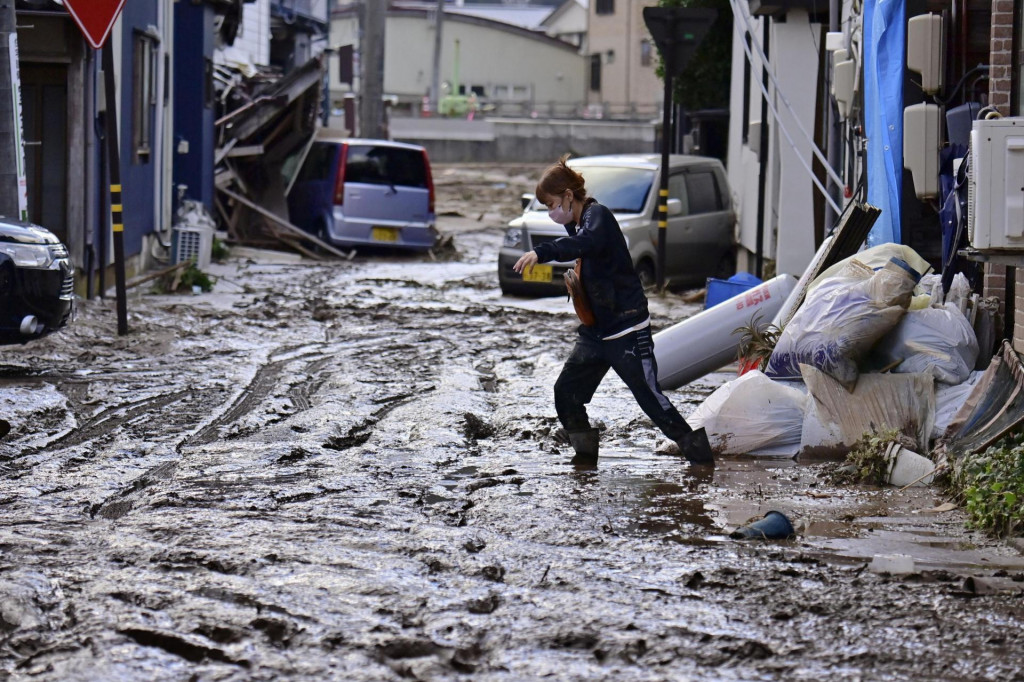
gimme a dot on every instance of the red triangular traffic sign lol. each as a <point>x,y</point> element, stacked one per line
<point>95,18</point>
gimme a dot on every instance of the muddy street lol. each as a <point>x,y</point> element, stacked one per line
<point>346,471</point>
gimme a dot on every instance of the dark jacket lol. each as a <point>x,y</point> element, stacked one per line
<point>613,287</point>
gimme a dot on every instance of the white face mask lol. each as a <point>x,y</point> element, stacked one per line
<point>560,215</point>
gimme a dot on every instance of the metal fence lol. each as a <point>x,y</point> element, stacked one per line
<point>549,110</point>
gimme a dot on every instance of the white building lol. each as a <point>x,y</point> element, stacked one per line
<point>506,66</point>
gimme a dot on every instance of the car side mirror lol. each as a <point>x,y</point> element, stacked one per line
<point>675,207</point>
<point>526,199</point>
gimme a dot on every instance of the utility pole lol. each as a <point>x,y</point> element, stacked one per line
<point>371,63</point>
<point>435,81</point>
<point>12,154</point>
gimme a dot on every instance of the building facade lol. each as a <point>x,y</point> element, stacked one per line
<point>545,76</point>
<point>621,61</point>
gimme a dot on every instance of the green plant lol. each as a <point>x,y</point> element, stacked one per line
<point>191,277</point>
<point>866,461</point>
<point>990,486</point>
<point>757,341</point>
<point>219,251</point>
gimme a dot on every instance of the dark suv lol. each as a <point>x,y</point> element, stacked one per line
<point>37,282</point>
<point>357,192</point>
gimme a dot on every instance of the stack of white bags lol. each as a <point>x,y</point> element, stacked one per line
<point>874,346</point>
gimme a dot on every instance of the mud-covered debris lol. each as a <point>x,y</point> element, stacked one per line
<point>322,312</point>
<point>481,483</point>
<point>468,659</point>
<point>474,545</point>
<point>185,647</point>
<point>296,454</point>
<point>476,428</point>
<point>409,648</point>
<point>695,580</point>
<point>278,631</point>
<point>488,604</point>
<point>494,572</point>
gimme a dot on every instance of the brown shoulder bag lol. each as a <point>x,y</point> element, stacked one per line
<point>574,287</point>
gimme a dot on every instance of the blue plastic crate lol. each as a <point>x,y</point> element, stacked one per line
<point>720,290</point>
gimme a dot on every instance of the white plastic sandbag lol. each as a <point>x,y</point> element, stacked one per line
<point>875,258</point>
<point>752,415</point>
<point>841,319</point>
<point>938,339</point>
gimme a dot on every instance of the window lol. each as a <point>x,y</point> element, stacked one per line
<point>620,189</point>
<point>677,190</point>
<point>144,96</point>
<point>318,163</point>
<point>605,7</point>
<point>383,165</point>
<point>702,192</point>
<point>595,72</point>
<point>645,52</point>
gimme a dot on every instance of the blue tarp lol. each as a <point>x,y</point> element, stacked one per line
<point>884,60</point>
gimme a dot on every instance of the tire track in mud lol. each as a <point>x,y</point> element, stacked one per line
<point>259,388</point>
<point>361,432</point>
<point>109,419</point>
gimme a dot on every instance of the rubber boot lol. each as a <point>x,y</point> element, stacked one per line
<point>695,447</point>
<point>585,444</point>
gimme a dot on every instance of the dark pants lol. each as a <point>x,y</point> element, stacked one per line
<point>632,358</point>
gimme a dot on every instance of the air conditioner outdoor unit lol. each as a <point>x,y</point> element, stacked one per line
<point>995,197</point>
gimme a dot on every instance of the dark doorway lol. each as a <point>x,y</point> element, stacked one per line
<point>44,104</point>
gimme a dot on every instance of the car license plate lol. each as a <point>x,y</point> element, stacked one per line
<point>539,273</point>
<point>384,234</point>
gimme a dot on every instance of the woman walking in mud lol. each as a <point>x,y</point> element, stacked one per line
<point>619,334</point>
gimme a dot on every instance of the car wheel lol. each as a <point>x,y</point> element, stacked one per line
<point>645,271</point>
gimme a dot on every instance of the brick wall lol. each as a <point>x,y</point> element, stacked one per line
<point>1018,307</point>
<point>1000,85</point>
<point>1001,74</point>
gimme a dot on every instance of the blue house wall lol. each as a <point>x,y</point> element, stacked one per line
<point>193,107</point>
<point>138,177</point>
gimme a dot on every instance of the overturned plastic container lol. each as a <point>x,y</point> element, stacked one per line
<point>721,290</point>
<point>774,526</point>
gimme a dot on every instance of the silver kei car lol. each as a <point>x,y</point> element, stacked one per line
<point>357,193</point>
<point>701,222</point>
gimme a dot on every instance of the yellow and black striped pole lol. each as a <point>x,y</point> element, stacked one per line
<point>114,171</point>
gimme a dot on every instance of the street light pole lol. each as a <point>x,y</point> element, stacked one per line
<point>435,81</point>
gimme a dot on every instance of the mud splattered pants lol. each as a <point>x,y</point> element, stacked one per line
<point>632,358</point>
